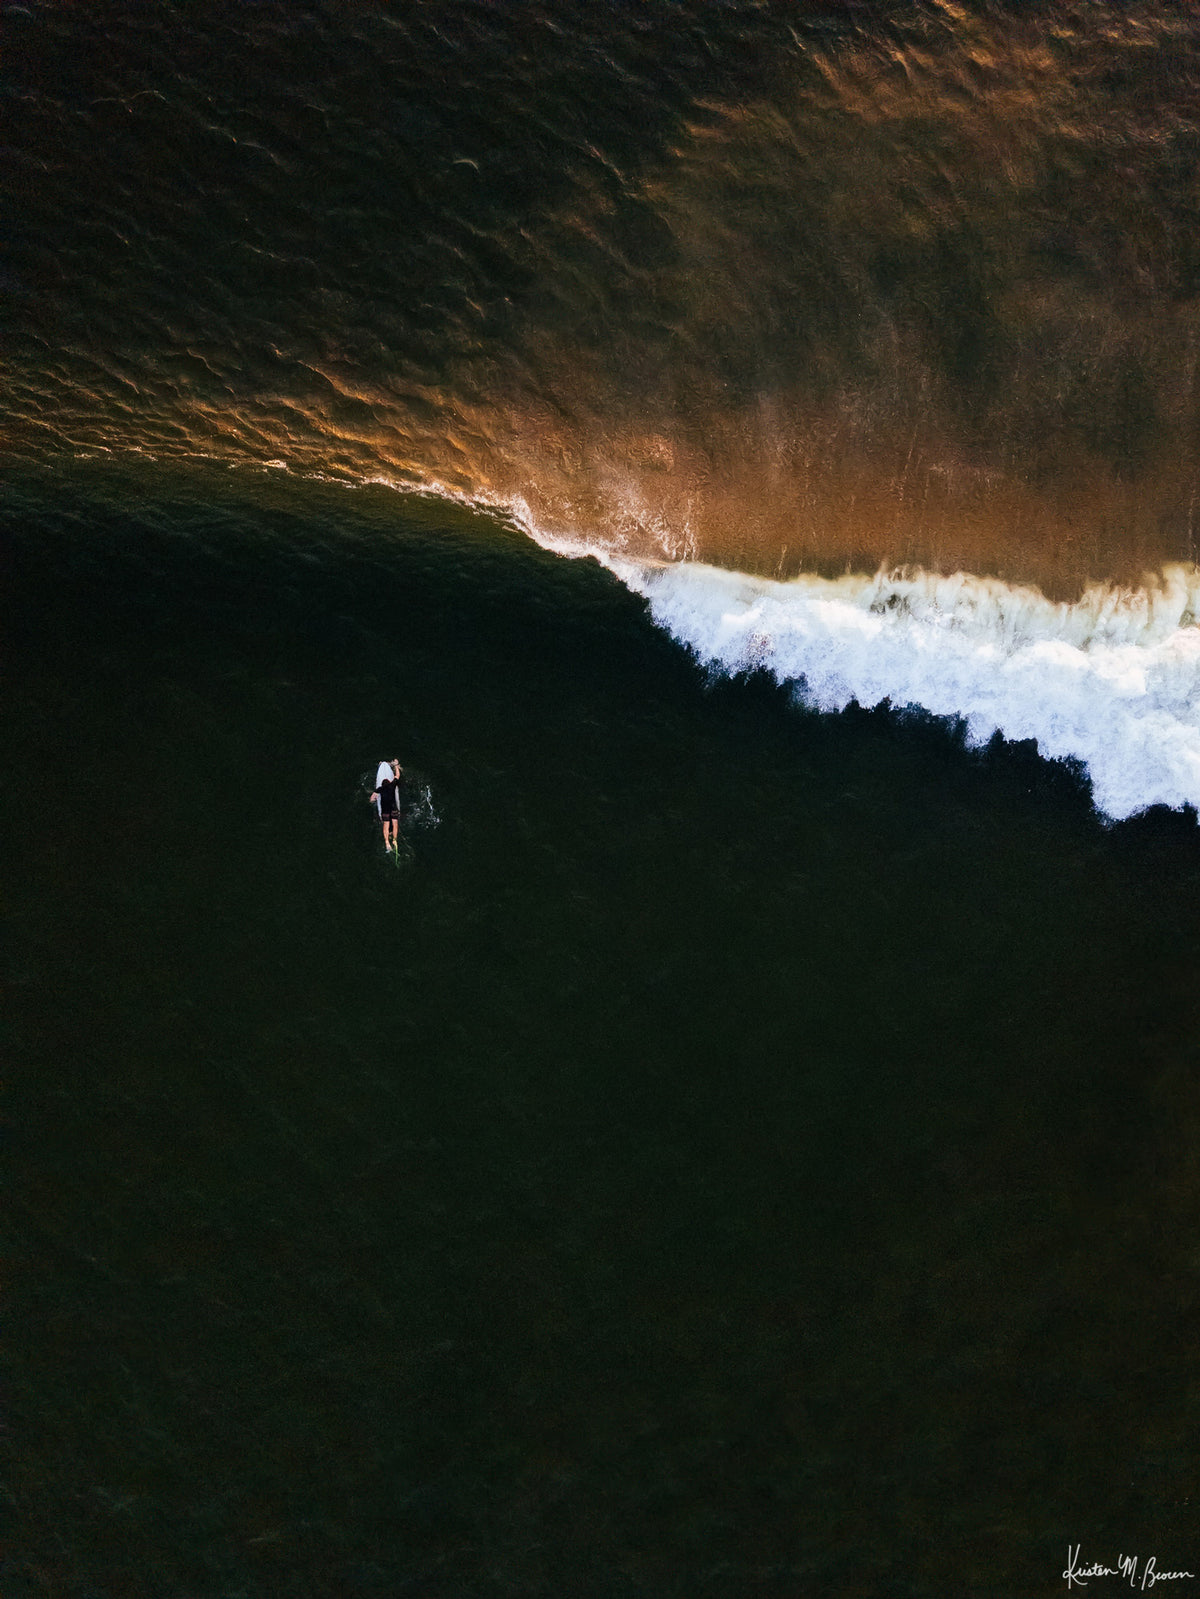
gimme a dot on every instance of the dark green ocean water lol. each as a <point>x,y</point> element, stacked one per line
<point>746,1152</point>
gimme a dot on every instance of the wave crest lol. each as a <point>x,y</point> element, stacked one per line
<point>1111,679</point>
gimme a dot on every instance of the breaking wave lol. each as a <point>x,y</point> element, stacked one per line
<point>1110,680</point>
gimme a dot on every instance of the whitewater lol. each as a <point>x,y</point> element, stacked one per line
<point>1110,681</point>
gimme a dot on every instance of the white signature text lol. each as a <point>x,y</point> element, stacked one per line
<point>1137,1573</point>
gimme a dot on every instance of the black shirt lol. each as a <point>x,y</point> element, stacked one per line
<point>389,795</point>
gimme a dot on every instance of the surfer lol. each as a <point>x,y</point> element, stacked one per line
<point>388,781</point>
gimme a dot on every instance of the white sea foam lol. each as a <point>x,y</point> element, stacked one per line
<point>1111,680</point>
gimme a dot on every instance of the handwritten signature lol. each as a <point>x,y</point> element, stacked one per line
<point>1128,1567</point>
